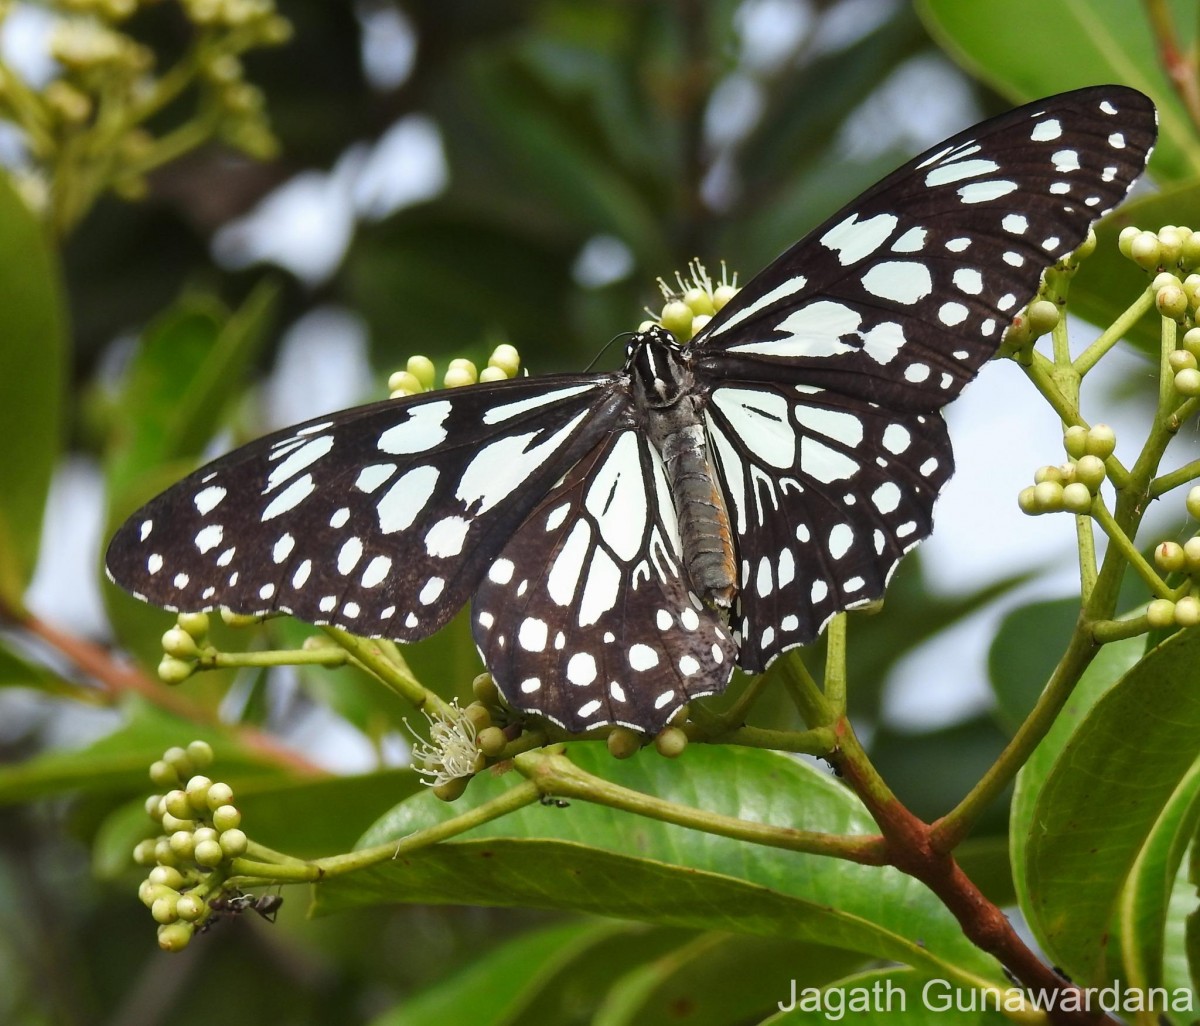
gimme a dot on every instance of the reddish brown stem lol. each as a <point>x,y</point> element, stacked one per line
<point>116,679</point>
<point>911,848</point>
<point>1180,68</point>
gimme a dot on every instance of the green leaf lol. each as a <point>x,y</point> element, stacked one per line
<point>1157,897</point>
<point>590,858</point>
<point>18,672</point>
<point>1099,801</point>
<point>497,988</point>
<point>119,763</point>
<point>1026,49</point>
<point>718,978</point>
<point>33,369</point>
<point>1024,652</point>
<point>889,997</point>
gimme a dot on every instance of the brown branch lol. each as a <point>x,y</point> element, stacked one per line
<point>116,679</point>
<point>1180,68</point>
<point>911,847</point>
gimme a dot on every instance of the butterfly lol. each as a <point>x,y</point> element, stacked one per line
<point>630,537</point>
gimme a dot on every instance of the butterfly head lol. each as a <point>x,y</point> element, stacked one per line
<point>655,362</point>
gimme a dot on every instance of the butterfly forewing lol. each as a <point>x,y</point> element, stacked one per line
<point>586,616</point>
<point>830,446</point>
<point>380,519</point>
<point>810,403</point>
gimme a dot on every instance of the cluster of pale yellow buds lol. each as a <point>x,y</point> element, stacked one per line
<point>1071,486</point>
<point>420,373</point>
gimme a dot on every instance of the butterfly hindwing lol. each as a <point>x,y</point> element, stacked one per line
<point>380,519</point>
<point>585,616</point>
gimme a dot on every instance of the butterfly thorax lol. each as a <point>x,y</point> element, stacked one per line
<point>670,409</point>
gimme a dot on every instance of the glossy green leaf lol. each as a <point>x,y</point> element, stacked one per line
<point>33,369</point>
<point>1025,49</point>
<point>718,978</point>
<point>497,988</point>
<point>1156,899</point>
<point>889,997</point>
<point>1098,803</point>
<point>1024,652</point>
<point>590,858</point>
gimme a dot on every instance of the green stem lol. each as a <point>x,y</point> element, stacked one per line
<point>950,830</point>
<point>819,741</point>
<point>835,666</point>
<point>1185,474</point>
<point>332,657</point>
<point>556,775</point>
<point>1104,631</point>
<point>371,657</point>
<point>1120,541</point>
<point>1115,332</point>
<point>804,692</point>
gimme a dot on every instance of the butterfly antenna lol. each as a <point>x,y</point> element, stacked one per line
<point>607,345</point>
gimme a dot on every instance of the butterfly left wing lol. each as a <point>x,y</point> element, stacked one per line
<point>585,616</point>
<point>379,519</point>
<point>830,445</point>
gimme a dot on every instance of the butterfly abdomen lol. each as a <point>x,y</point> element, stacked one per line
<point>671,413</point>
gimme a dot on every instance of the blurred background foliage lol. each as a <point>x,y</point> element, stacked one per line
<point>437,177</point>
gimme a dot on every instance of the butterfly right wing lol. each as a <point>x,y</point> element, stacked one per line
<point>379,519</point>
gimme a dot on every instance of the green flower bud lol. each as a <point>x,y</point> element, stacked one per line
<point>699,322</point>
<point>219,794</point>
<point>677,317</point>
<point>1027,501</point>
<point>623,743</point>
<point>1181,359</point>
<point>1144,251</point>
<point>183,844</point>
<point>197,792</point>
<point>175,936</point>
<point>178,758</point>
<point>422,368</point>
<point>1191,552</point>
<point>699,301</point>
<point>1191,341</point>
<point>226,817</point>
<point>1187,611</point>
<point>1125,240</point>
<point>233,843</point>
<point>1090,470</point>
<point>1101,441</point>
<point>492,741</point>
<point>1043,316</point>
<point>148,893</point>
<point>171,823</point>
<point>163,854</point>
<point>176,804</point>
<point>1074,440</point>
<point>1170,239</point>
<point>163,774</point>
<point>1047,473</point>
<point>403,383</point>
<point>722,294</point>
<point>1048,495</point>
<point>154,806</point>
<point>1187,382</point>
<point>189,908</point>
<point>208,853</point>
<point>179,643</point>
<point>200,753</point>
<point>1169,557</point>
<point>1086,248</point>
<point>1172,303</point>
<point>484,689</point>
<point>163,909</point>
<point>205,833</point>
<point>143,852</point>
<point>232,619</point>
<point>196,624</point>
<point>460,372</point>
<point>174,671</point>
<point>1077,498</point>
<point>506,358</point>
<point>166,876</point>
<point>1193,502</point>
<point>1066,473</point>
<point>451,790</point>
<point>671,743</point>
<point>1190,253</point>
<point>492,374</point>
<point>479,716</point>
<point>1160,613</point>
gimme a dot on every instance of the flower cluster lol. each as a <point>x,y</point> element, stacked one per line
<point>690,306</point>
<point>1073,485</point>
<point>200,835</point>
<point>420,372</point>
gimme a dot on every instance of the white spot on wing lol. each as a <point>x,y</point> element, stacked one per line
<point>288,499</point>
<point>419,432</point>
<point>902,281</point>
<point>208,499</point>
<point>984,192</point>
<point>403,502</point>
<point>958,170</point>
<point>760,419</point>
<point>853,239</point>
